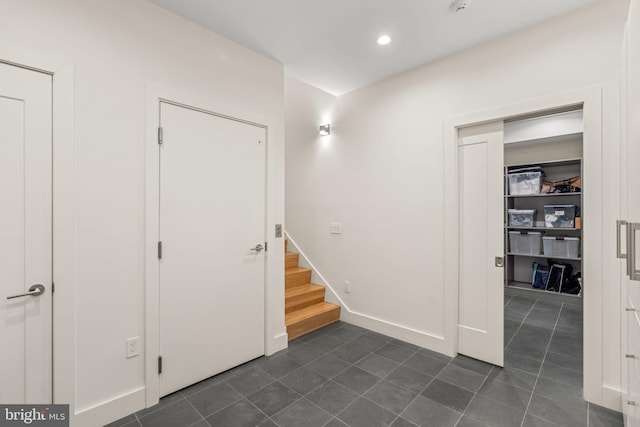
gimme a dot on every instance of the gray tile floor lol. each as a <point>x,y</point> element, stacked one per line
<point>344,375</point>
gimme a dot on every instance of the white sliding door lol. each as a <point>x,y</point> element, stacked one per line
<point>481,231</point>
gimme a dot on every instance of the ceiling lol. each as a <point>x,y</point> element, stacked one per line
<point>331,44</point>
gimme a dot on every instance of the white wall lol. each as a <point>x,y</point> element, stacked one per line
<point>381,171</point>
<point>116,49</point>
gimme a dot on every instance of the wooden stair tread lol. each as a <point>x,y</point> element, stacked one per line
<point>310,312</point>
<point>302,296</point>
<point>294,270</point>
<point>301,290</point>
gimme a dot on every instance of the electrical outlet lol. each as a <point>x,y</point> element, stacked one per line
<point>347,287</point>
<point>133,347</point>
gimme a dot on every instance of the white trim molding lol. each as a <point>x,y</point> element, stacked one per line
<point>111,410</point>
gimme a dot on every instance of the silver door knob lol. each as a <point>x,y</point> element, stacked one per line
<point>34,291</point>
<point>258,248</point>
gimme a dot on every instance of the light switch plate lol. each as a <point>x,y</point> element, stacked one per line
<point>335,228</point>
<point>347,287</point>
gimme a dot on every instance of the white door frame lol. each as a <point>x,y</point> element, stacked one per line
<point>275,340</point>
<point>591,101</point>
<point>63,301</point>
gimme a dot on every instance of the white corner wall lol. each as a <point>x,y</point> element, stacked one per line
<point>381,172</point>
<point>116,49</point>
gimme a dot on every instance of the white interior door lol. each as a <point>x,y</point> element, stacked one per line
<point>25,235</point>
<point>481,226</point>
<point>212,218</point>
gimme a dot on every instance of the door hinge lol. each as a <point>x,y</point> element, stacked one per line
<point>159,250</point>
<point>265,246</point>
<point>159,365</point>
<point>160,135</point>
<point>53,287</point>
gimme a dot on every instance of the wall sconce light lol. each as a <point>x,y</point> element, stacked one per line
<point>325,130</point>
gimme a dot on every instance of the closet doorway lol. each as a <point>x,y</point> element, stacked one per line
<point>591,358</point>
<point>543,281</point>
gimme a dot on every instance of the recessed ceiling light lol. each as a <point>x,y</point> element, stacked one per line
<point>383,40</point>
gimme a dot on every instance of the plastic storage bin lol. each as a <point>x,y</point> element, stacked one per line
<point>525,242</point>
<point>568,247</point>
<point>559,216</point>
<point>524,183</point>
<point>521,217</point>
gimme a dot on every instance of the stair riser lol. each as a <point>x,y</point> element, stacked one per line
<point>291,260</point>
<point>301,301</point>
<point>298,278</point>
<point>311,324</point>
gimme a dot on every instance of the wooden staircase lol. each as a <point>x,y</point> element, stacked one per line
<point>305,308</point>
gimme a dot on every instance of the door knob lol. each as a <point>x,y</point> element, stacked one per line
<point>34,291</point>
<point>258,248</point>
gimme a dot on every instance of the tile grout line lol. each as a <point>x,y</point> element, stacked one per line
<point>521,323</point>
<point>475,393</point>
<point>246,397</point>
<point>427,386</point>
<point>198,412</point>
<point>526,411</point>
<point>384,379</point>
<point>264,413</point>
<point>507,303</point>
<point>362,395</point>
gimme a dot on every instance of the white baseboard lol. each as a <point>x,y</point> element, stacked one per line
<point>404,333</point>
<point>401,332</point>
<point>279,342</point>
<point>611,398</point>
<point>109,411</point>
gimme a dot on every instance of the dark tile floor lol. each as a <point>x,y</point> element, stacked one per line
<point>344,375</point>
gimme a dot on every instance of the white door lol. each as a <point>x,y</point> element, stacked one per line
<point>481,228</point>
<point>212,226</point>
<point>25,235</point>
